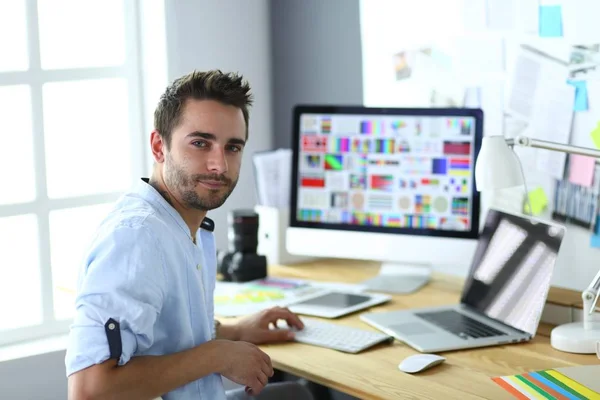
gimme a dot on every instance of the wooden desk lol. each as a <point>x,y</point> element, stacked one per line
<point>374,374</point>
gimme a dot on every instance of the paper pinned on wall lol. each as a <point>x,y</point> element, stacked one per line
<point>552,119</point>
<point>272,174</point>
<point>538,200</point>
<point>550,21</point>
<point>581,170</point>
<point>596,136</point>
<point>532,74</point>
<point>581,94</point>
<point>585,122</point>
<point>501,14</point>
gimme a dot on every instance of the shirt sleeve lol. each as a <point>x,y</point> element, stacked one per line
<point>122,278</point>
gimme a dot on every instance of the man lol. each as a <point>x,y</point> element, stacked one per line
<point>144,323</point>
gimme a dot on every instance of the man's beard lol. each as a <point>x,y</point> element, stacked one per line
<point>185,185</point>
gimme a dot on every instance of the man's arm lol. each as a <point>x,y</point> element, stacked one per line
<point>257,328</point>
<point>227,332</point>
<point>147,377</point>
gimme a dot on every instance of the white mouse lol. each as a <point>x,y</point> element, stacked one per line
<point>420,362</point>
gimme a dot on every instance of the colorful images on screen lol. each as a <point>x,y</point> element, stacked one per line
<point>412,172</point>
<point>459,185</point>
<point>310,215</point>
<point>384,146</point>
<point>312,181</point>
<point>403,146</point>
<point>380,202</point>
<point>457,148</point>
<point>326,125</point>
<point>358,181</point>
<point>408,184</point>
<point>382,162</point>
<point>314,143</point>
<point>383,183</point>
<point>422,204</point>
<point>398,125</point>
<point>334,162</point>
<point>461,126</point>
<point>460,206</point>
<point>440,166</point>
<point>312,161</point>
<point>340,145</point>
<point>372,127</point>
<point>309,125</point>
<point>460,167</point>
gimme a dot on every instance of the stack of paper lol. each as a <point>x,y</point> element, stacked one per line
<point>233,299</point>
<point>581,382</point>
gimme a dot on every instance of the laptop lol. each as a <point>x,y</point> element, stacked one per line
<point>503,296</point>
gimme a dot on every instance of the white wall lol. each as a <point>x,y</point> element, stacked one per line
<point>230,35</point>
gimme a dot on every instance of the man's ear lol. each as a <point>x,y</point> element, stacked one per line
<point>158,146</point>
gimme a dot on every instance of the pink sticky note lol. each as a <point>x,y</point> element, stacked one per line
<point>581,170</point>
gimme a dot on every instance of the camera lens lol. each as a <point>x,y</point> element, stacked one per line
<point>243,231</point>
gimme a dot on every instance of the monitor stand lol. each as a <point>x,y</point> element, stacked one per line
<point>399,278</point>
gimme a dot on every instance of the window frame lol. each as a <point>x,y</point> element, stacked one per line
<point>35,77</point>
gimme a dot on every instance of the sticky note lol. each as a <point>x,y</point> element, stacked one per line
<point>538,201</point>
<point>596,135</point>
<point>595,238</point>
<point>550,21</point>
<point>581,170</point>
<point>581,95</point>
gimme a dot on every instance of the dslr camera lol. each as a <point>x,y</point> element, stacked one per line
<point>241,263</point>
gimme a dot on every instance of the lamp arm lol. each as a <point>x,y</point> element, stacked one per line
<point>590,299</point>
<point>544,144</point>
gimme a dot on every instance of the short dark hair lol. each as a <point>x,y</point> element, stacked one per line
<point>227,88</point>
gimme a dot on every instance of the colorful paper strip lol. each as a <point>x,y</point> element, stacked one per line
<point>547,384</point>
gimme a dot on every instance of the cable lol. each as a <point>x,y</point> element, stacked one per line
<point>530,210</point>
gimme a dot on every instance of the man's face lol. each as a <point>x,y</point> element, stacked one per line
<point>203,163</point>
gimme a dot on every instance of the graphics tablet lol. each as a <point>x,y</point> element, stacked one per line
<point>333,304</point>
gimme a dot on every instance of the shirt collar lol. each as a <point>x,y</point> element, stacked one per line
<point>150,194</point>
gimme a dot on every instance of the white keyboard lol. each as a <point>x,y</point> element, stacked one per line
<point>337,337</point>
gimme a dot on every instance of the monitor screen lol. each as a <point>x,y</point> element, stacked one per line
<point>386,170</point>
<point>512,269</point>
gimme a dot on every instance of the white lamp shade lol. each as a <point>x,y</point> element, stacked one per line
<point>497,166</point>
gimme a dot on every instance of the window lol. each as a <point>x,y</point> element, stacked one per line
<point>71,120</point>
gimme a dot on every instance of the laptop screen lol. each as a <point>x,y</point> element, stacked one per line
<point>512,268</point>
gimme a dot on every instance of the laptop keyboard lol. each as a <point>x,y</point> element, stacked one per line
<point>459,324</point>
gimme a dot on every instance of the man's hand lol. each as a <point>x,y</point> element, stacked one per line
<point>247,365</point>
<point>256,328</point>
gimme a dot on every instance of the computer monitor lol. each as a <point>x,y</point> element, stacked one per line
<point>394,185</point>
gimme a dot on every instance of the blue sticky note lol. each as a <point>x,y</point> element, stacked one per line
<point>550,24</point>
<point>581,95</point>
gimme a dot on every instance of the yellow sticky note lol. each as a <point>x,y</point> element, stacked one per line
<point>596,135</point>
<point>538,201</point>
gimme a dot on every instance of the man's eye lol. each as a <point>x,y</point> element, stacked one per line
<point>199,143</point>
<point>235,149</point>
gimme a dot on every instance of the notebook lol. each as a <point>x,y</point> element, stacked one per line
<point>581,382</point>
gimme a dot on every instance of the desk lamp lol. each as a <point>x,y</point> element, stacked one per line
<point>498,167</point>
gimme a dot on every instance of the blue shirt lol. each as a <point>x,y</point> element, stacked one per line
<point>144,271</point>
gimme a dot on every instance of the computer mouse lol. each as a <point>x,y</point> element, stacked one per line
<point>420,362</point>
